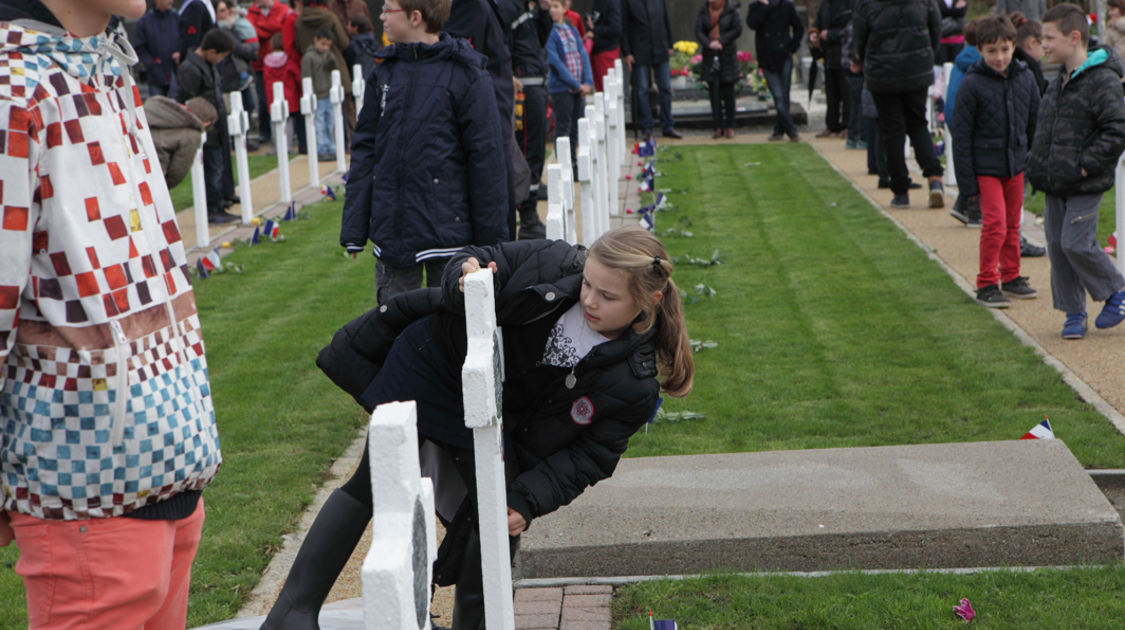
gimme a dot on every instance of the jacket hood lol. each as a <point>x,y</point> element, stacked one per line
<point>316,17</point>
<point>81,57</point>
<point>446,48</point>
<point>1101,56</point>
<point>966,58</point>
<point>276,59</point>
<point>165,113</point>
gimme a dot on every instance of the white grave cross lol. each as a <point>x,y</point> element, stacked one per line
<point>238,125</point>
<point>308,110</point>
<point>399,565</point>
<point>336,96</point>
<point>199,197</point>
<point>481,379</point>
<point>279,114</point>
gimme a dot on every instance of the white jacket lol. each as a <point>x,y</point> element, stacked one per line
<point>105,404</point>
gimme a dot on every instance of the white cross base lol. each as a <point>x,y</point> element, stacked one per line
<point>398,568</point>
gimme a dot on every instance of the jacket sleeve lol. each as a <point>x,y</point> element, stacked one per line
<point>189,83</point>
<point>307,67</point>
<point>609,22</point>
<point>486,160</point>
<point>626,44</point>
<point>18,216</point>
<point>1108,106</point>
<point>1033,115</point>
<point>140,43</point>
<point>509,257</point>
<point>797,29</point>
<point>730,36</point>
<point>556,63</point>
<point>357,199</point>
<point>182,156</point>
<point>247,50</point>
<point>935,26</point>
<point>964,116</point>
<point>756,14</point>
<point>560,477</point>
<point>859,30</point>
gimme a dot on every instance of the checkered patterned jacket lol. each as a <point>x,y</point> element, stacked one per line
<point>105,405</point>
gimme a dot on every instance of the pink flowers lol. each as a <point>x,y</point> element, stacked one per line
<point>696,59</point>
<point>744,56</point>
<point>965,610</point>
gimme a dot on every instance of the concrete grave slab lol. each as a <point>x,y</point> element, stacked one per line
<point>975,504</point>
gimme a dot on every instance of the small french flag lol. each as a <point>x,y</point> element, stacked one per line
<point>256,238</point>
<point>271,230</point>
<point>290,212</point>
<point>201,270</point>
<point>328,192</point>
<point>1041,431</point>
<point>211,261</point>
<point>661,624</point>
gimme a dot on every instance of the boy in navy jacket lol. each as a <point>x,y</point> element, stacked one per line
<point>997,104</point>
<point>428,170</point>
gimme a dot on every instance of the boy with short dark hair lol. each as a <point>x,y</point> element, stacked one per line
<point>197,76</point>
<point>1077,143</point>
<point>317,64</point>
<point>429,171</point>
<point>997,105</point>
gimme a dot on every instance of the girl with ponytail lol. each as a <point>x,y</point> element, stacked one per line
<point>590,339</point>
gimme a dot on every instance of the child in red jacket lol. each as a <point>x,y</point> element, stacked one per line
<point>276,67</point>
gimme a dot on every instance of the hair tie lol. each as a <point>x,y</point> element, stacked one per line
<point>656,263</point>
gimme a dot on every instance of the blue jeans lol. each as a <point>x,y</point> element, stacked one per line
<point>640,91</point>
<point>325,130</point>
<point>778,83</point>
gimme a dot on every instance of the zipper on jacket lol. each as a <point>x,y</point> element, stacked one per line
<point>121,383</point>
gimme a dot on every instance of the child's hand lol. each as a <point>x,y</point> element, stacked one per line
<point>585,89</point>
<point>469,266</point>
<point>1084,173</point>
<point>516,523</point>
<point>715,45</point>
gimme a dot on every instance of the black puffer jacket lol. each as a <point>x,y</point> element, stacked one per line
<point>994,124</point>
<point>730,27</point>
<point>777,31</point>
<point>562,440</point>
<point>1081,127</point>
<point>896,41</point>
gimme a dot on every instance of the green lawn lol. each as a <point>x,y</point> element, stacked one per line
<point>259,164</point>
<point>832,330</point>
<point>1047,599</point>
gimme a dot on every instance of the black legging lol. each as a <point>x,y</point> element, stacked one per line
<point>722,104</point>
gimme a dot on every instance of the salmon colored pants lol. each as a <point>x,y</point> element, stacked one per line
<point>121,573</point>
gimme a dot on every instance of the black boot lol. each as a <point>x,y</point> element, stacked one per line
<point>327,547</point>
<point>468,597</point>
<point>531,227</point>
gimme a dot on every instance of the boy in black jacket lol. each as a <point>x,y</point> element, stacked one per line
<point>1080,136</point>
<point>997,104</point>
<point>429,168</point>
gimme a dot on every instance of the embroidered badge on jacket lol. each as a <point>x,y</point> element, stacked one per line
<point>582,411</point>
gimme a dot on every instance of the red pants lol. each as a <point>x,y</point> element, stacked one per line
<point>1001,201</point>
<point>121,573</point>
<point>600,63</point>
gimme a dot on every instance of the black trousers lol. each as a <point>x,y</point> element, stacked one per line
<point>722,104</point>
<point>532,139</point>
<point>903,114</point>
<point>836,93</point>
